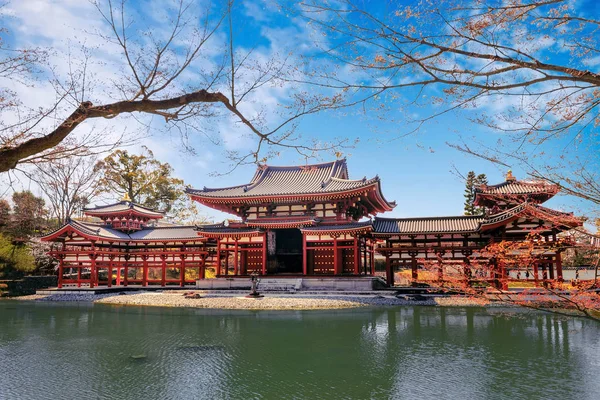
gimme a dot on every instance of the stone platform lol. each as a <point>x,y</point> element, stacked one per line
<point>289,284</point>
<point>295,284</point>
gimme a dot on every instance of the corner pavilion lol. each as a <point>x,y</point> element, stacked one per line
<point>309,220</point>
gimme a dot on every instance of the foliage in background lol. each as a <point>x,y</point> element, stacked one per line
<point>472,182</point>
<point>144,179</point>
<point>28,216</point>
<point>15,257</point>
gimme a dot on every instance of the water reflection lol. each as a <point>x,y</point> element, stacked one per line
<point>133,353</point>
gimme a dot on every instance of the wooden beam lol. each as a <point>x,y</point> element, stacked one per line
<point>218,271</point>
<point>60,273</point>
<point>145,271</point>
<point>356,257</point>
<point>389,273</point>
<point>264,255</point>
<point>236,258</point>
<point>304,256</point>
<point>182,269</point>
<point>559,270</point>
<point>336,268</point>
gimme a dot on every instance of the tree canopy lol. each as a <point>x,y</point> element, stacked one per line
<point>471,183</point>
<point>142,178</point>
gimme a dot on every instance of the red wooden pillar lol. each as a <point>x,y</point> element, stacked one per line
<point>503,278</point>
<point>202,269</point>
<point>145,271</point>
<point>79,276</point>
<point>264,260</point>
<point>559,270</point>
<point>304,256</point>
<point>218,257</point>
<point>440,271</point>
<point>93,269</point>
<point>372,258</point>
<point>536,278</point>
<point>236,258</point>
<point>414,271</point>
<point>118,273</point>
<point>163,278</point>
<point>244,261</point>
<point>182,272</point>
<point>126,272</point>
<point>109,272</point>
<point>551,269</point>
<point>60,271</point>
<point>389,274</point>
<point>336,268</point>
<point>93,266</point>
<point>356,257</point>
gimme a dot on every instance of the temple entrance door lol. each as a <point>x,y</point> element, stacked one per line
<point>288,251</point>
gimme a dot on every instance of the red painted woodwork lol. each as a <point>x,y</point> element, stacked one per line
<point>304,256</point>
<point>559,270</point>
<point>389,273</point>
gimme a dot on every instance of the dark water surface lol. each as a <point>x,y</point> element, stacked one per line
<point>56,351</point>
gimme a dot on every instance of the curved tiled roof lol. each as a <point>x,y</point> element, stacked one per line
<point>519,187</point>
<point>122,207</point>
<point>341,227</point>
<point>176,232</point>
<point>328,177</point>
<point>457,224</point>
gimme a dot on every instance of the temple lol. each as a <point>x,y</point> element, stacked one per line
<point>302,221</point>
<point>127,246</point>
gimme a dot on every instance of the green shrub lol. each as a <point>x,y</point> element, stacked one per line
<point>15,256</point>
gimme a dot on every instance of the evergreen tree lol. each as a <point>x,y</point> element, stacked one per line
<point>470,193</point>
<point>481,179</point>
<point>473,181</point>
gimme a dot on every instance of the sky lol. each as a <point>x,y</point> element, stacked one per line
<point>420,171</point>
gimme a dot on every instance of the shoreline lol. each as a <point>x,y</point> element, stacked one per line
<point>271,301</point>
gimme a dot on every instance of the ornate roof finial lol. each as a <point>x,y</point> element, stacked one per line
<point>126,197</point>
<point>510,177</point>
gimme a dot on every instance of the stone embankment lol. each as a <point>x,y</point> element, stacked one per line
<point>269,302</point>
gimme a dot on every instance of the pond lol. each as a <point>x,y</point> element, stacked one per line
<point>50,350</point>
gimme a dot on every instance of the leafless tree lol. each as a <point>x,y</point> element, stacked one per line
<point>69,184</point>
<point>166,70</point>
<point>521,67</point>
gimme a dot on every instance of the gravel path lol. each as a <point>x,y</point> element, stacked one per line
<point>229,302</point>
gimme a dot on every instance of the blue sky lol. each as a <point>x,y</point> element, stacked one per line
<point>417,171</point>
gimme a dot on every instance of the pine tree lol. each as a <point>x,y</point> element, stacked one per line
<point>472,182</point>
<point>480,180</point>
<point>470,193</point>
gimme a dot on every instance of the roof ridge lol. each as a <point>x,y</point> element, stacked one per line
<point>364,180</point>
<point>332,163</point>
<point>433,217</point>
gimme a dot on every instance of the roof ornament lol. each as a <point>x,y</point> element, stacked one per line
<point>245,189</point>
<point>510,177</point>
<point>322,184</point>
<point>364,178</point>
<point>126,197</point>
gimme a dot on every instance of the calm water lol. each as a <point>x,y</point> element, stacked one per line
<point>103,352</point>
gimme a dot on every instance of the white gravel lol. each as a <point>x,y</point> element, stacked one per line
<point>269,302</point>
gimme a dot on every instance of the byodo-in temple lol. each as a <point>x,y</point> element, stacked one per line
<point>299,221</point>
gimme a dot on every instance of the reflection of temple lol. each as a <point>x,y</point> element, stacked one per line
<point>297,221</point>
